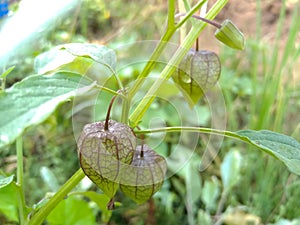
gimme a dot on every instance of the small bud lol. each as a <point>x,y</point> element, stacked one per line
<point>230,35</point>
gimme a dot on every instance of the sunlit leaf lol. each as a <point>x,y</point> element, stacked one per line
<point>49,178</point>
<point>98,53</point>
<point>204,218</point>
<point>72,211</point>
<point>75,57</point>
<point>32,100</point>
<point>8,71</point>
<point>4,181</point>
<point>230,169</point>
<point>101,200</point>
<point>283,147</point>
<point>9,202</point>
<point>210,193</point>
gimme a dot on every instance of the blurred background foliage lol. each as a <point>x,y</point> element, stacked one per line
<point>260,86</point>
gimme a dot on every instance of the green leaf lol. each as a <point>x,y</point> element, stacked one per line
<point>71,54</point>
<point>72,211</point>
<point>4,181</point>
<point>210,194</point>
<point>230,169</point>
<point>286,222</point>
<point>8,71</point>
<point>32,100</point>
<point>98,53</point>
<point>101,200</point>
<point>54,59</point>
<point>49,178</point>
<point>9,202</point>
<point>204,218</point>
<point>193,188</point>
<point>283,147</point>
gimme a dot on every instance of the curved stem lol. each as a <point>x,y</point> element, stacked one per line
<point>161,45</point>
<point>109,90</point>
<point>190,129</point>
<point>109,68</point>
<point>151,62</point>
<point>190,13</point>
<point>140,110</point>
<point>42,214</point>
<point>170,30</point>
<point>211,22</point>
<point>108,112</point>
<point>136,116</point>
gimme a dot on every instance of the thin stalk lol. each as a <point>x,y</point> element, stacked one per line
<point>108,112</point>
<point>191,12</point>
<point>189,129</point>
<point>110,91</point>
<point>20,181</point>
<point>205,130</point>
<point>183,6</point>
<point>125,111</point>
<point>211,22</point>
<point>151,62</point>
<point>42,214</point>
<point>170,68</point>
<point>170,30</point>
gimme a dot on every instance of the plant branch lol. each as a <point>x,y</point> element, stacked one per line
<point>125,110</point>
<point>151,62</point>
<point>170,68</point>
<point>190,13</point>
<point>108,112</point>
<point>211,22</point>
<point>190,129</point>
<point>161,45</point>
<point>42,214</point>
<point>205,130</point>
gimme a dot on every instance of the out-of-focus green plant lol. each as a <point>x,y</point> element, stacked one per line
<point>37,97</point>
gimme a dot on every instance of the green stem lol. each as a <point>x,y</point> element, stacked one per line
<point>190,13</point>
<point>190,129</point>
<point>109,91</point>
<point>140,110</point>
<point>162,44</point>
<point>171,14</point>
<point>108,112</point>
<point>125,111</point>
<point>42,214</point>
<point>151,62</point>
<point>211,22</point>
<point>205,130</point>
<point>20,180</point>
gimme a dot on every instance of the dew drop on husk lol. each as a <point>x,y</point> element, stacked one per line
<point>198,72</point>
